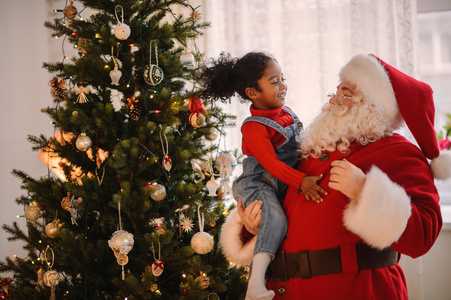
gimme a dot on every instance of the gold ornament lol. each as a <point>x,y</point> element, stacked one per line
<point>122,259</point>
<point>52,230</point>
<point>160,231</point>
<point>70,11</point>
<point>32,213</point>
<point>65,203</point>
<point>212,223</point>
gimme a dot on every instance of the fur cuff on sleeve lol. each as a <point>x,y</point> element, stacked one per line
<point>231,244</point>
<point>380,214</point>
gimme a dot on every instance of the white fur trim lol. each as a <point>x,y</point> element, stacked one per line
<point>380,214</point>
<point>441,165</point>
<point>231,244</point>
<point>370,77</point>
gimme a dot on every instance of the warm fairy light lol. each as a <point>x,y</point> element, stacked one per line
<point>66,57</point>
<point>56,37</point>
<point>40,242</point>
<point>151,96</point>
<point>74,33</point>
<point>81,19</point>
<point>128,85</point>
<point>131,45</point>
<point>32,262</point>
<point>107,67</point>
<point>15,256</point>
<point>98,36</point>
<point>183,275</point>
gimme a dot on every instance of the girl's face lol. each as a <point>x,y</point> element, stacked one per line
<point>272,88</point>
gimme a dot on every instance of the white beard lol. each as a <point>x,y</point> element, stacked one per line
<point>336,127</point>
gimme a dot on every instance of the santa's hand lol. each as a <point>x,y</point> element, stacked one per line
<point>347,178</point>
<point>251,216</point>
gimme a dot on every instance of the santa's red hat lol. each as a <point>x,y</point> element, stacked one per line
<point>400,98</point>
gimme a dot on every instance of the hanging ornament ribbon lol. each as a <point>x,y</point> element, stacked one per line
<point>157,265</point>
<point>153,75</point>
<point>167,162</point>
<point>122,30</point>
<point>51,277</point>
<point>116,73</point>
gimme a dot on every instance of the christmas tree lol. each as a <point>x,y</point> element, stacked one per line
<point>128,214</point>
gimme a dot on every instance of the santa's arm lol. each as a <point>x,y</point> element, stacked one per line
<point>398,205</point>
<point>236,243</point>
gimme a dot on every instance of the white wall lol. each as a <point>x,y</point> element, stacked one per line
<point>24,91</point>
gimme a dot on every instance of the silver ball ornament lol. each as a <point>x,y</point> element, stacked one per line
<point>212,134</point>
<point>186,58</point>
<point>83,142</point>
<point>202,242</point>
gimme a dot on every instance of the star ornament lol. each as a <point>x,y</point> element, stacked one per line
<point>187,224</point>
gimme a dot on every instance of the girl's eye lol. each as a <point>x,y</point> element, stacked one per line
<point>275,82</point>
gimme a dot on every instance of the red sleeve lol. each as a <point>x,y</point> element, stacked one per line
<point>258,141</point>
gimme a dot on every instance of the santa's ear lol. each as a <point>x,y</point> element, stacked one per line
<point>251,92</point>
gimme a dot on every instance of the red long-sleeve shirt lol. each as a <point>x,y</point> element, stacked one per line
<point>260,140</point>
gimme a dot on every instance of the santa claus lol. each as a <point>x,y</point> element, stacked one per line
<point>382,200</point>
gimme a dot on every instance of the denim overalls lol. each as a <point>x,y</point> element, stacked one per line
<point>255,183</point>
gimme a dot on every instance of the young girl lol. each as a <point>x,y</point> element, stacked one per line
<point>270,143</point>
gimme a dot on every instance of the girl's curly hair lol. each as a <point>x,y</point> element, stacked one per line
<point>228,75</point>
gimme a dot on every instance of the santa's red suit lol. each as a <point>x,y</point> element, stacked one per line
<point>398,180</point>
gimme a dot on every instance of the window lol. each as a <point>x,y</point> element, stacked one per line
<point>435,69</point>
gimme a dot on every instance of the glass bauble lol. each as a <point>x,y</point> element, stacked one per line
<point>121,242</point>
<point>52,230</point>
<point>226,160</point>
<point>202,242</point>
<point>187,58</point>
<point>157,191</point>
<point>32,213</point>
<point>83,142</point>
<point>212,134</point>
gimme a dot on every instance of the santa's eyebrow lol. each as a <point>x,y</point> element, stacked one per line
<point>345,89</point>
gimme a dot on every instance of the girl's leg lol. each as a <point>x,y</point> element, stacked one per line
<point>272,231</point>
<point>257,284</point>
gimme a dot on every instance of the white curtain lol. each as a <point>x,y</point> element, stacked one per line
<point>312,40</point>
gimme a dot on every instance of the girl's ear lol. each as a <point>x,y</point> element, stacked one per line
<point>251,92</point>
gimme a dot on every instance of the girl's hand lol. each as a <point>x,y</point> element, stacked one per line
<point>251,216</point>
<point>347,178</point>
<point>311,189</point>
